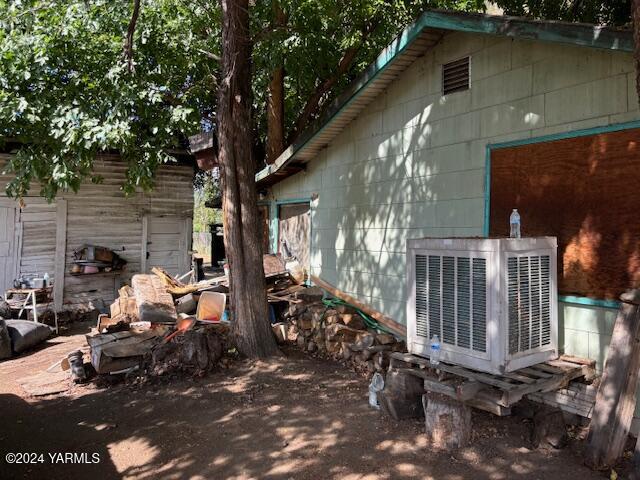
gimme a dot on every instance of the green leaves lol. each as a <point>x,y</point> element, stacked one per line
<point>66,95</point>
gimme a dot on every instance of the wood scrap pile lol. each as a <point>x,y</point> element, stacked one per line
<point>337,330</point>
<point>155,326</point>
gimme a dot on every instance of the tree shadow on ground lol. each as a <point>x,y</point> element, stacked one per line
<point>287,418</point>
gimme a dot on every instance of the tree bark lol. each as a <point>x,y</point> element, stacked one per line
<point>275,100</point>
<point>635,14</point>
<point>316,101</point>
<point>128,42</point>
<point>275,115</point>
<point>241,219</point>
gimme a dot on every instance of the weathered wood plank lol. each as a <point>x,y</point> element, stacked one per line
<point>616,398</point>
<point>61,247</point>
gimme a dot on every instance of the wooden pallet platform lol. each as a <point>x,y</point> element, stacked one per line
<point>497,393</point>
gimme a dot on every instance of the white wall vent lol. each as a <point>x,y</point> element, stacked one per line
<point>492,302</point>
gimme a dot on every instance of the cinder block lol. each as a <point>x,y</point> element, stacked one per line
<point>598,348</point>
<point>568,127</point>
<point>632,93</point>
<point>512,117</point>
<point>419,111</point>
<point>580,102</point>
<point>366,126</point>
<point>503,88</point>
<point>570,66</point>
<point>451,105</point>
<point>393,118</point>
<point>589,319</point>
<point>527,52</point>
<point>576,342</point>
<point>624,117</point>
<point>491,61</point>
<point>460,44</point>
<point>456,129</point>
<point>417,137</point>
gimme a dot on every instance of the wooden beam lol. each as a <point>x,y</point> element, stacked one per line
<point>635,474</point>
<point>616,398</point>
<point>382,319</point>
<point>144,245</point>
<point>60,255</point>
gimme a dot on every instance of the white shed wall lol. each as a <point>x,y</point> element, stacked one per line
<point>100,214</point>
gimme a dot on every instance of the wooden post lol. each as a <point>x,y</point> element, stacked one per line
<point>60,255</point>
<point>616,398</point>
<point>635,474</point>
<point>447,421</point>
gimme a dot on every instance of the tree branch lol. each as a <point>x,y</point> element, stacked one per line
<point>315,101</point>
<point>128,41</point>
<point>209,55</point>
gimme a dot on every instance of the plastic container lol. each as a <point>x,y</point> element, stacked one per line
<point>434,357</point>
<point>514,224</point>
<point>211,306</point>
<point>376,385</point>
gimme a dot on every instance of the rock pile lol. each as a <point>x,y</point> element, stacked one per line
<point>338,331</point>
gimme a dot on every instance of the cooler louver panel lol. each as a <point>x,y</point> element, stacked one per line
<point>528,302</point>
<point>422,327</point>
<point>480,304</point>
<point>451,300</point>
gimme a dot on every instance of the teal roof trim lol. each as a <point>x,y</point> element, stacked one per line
<point>546,31</point>
<point>581,34</point>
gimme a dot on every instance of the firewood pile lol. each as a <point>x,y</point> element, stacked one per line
<point>336,330</point>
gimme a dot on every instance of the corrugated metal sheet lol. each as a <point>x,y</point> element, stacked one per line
<point>100,214</point>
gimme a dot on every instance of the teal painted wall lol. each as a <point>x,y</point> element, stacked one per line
<point>412,164</point>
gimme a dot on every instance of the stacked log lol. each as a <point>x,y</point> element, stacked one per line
<point>340,333</point>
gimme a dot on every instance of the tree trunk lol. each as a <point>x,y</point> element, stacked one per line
<point>275,100</point>
<point>275,115</point>
<point>635,15</point>
<point>242,232</point>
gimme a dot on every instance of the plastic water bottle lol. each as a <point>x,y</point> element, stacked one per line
<point>514,222</point>
<point>45,277</point>
<point>376,385</point>
<point>434,358</point>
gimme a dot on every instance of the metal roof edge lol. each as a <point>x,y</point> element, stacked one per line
<point>580,34</point>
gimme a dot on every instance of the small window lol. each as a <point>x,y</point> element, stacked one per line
<point>455,76</point>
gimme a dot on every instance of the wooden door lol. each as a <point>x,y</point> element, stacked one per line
<point>8,247</point>
<point>168,244</point>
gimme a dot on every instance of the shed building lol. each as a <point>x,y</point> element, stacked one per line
<point>147,229</point>
<point>460,119</point>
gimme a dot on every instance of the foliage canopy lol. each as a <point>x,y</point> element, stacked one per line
<point>67,94</point>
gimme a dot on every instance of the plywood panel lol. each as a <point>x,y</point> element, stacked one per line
<point>584,191</point>
<point>294,227</point>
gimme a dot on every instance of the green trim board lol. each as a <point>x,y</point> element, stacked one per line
<point>541,139</point>
<point>591,302</point>
<point>439,20</point>
<point>293,200</point>
<point>273,226</point>
<point>542,30</point>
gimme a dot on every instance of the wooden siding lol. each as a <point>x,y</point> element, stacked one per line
<point>100,214</point>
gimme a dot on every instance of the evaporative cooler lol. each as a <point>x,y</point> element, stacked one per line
<point>491,301</point>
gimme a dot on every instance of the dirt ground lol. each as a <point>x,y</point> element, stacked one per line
<point>290,418</point>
